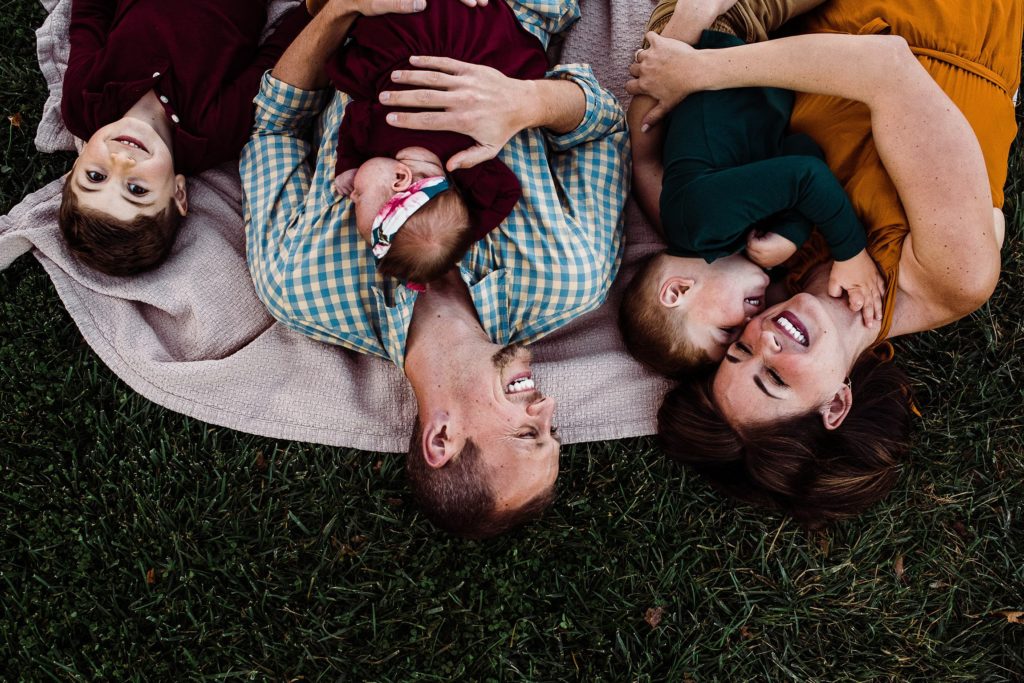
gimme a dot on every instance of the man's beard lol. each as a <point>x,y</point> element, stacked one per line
<point>507,355</point>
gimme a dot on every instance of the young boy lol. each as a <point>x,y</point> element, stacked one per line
<point>158,91</point>
<point>734,179</point>
<point>378,163</point>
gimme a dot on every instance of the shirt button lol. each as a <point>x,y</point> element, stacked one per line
<point>156,74</point>
<point>174,117</point>
<point>163,98</point>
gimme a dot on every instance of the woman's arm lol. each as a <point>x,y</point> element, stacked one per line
<point>950,260</point>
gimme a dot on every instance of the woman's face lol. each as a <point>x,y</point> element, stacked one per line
<point>791,359</point>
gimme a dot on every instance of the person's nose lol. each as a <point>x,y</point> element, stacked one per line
<point>769,341</point>
<point>544,410</point>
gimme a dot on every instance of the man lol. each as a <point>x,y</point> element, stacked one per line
<point>484,452</point>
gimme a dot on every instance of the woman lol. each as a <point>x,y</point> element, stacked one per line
<point>912,105</point>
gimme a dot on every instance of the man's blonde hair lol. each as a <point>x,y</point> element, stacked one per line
<point>655,334</point>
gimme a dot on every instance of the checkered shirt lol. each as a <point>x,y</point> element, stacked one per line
<point>551,260</point>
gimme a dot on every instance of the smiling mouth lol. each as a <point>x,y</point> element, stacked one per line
<point>131,142</point>
<point>753,301</point>
<point>521,384</point>
<point>791,325</point>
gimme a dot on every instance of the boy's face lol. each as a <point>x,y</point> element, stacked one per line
<point>126,170</point>
<point>719,304</point>
<point>380,178</point>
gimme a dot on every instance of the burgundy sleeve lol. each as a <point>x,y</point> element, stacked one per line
<point>490,190</point>
<point>90,26</point>
<point>353,134</point>
<point>230,116</point>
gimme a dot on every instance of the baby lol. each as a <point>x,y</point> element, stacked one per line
<point>734,180</point>
<point>418,220</point>
<point>155,94</point>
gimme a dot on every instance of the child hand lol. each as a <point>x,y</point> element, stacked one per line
<point>345,182</point>
<point>768,249</point>
<point>863,283</point>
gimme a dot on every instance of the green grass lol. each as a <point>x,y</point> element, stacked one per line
<point>138,544</point>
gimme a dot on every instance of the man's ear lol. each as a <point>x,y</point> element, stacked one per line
<point>835,411</point>
<point>181,194</point>
<point>672,290</point>
<point>438,448</point>
<point>403,178</point>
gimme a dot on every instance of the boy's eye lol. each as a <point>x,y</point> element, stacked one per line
<point>95,176</point>
<point>744,348</point>
<point>137,190</point>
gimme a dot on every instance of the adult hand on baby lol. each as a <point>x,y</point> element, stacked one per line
<point>768,249</point>
<point>470,99</point>
<point>345,182</point>
<point>668,71</point>
<point>863,284</point>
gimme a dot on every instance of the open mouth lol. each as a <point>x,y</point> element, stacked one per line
<point>754,301</point>
<point>521,384</point>
<point>131,142</point>
<point>791,325</point>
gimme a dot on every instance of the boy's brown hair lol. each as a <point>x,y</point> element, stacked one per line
<point>117,247</point>
<point>431,242</point>
<point>653,333</point>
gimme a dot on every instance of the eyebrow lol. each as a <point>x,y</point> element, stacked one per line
<point>761,386</point>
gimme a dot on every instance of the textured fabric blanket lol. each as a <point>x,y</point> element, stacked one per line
<point>194,337</point>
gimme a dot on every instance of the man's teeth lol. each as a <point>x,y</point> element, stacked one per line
<point>791,329</point>
<point>520,385</point>
<point>753,301</point>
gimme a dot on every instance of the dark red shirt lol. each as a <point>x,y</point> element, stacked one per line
<point>202,57</point>
<point>376,46</point>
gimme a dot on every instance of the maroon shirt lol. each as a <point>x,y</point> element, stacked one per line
<point>376,46</point>
<point>202,57</point>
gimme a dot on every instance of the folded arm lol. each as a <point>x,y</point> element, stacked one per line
<point>950,261</point>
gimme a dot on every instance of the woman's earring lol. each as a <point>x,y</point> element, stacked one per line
<point>849,383</point>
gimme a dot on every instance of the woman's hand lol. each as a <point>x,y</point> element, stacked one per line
<point>475,100</point>
<point>668,71</point>
<point>863,284</point>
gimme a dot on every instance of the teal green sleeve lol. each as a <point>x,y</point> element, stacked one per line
<point>711,215</point>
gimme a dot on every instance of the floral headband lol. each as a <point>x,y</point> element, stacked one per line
<point>397,210</point>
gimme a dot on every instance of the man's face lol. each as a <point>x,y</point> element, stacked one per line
<point>511,423</point>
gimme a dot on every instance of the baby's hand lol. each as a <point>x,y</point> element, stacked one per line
<point>345,182</point>
<point>863,283</point>
<point>768,249</point>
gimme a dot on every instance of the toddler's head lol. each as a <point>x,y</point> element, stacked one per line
<point>122,202</point>
<point>679,314</point>
<point>423,225</point>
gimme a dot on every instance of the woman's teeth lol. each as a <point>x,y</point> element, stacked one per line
<point>519,386</point>
<point>782,322</point>
<point>752,301</point>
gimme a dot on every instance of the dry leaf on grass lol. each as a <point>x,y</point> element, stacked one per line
<point>151,577</point>
<point>653,616</point>
<point>897,568</point>
<point>1012,617</point>
<point>15,120</point>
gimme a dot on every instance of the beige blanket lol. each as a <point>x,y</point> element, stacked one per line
<point>194,337</point>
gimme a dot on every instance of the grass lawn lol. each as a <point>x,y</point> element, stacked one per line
<point>138,544</point>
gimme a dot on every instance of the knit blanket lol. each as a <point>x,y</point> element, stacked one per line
<point>193,336</point>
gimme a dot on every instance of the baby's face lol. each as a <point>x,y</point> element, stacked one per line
<point>125,169</point>
<point>380,178</point>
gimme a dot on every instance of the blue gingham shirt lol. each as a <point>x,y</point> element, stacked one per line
<point>553,258</point>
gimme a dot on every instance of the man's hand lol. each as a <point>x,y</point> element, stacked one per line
<point>768,249</point>
<point>863,284</point>
<point>344,182</point>
<point>668,71</point>
<point>690,19</point>
<point>475,100</point>
<point>370,8</point>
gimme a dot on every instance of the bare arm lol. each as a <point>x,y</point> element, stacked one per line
<point>950,261</point>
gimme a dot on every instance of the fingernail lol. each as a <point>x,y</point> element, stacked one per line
<point>419,5</point>
<point>385,96</point>
<point>643,128</point>
<point>392,118</point>
<point>395,75</point>
<point>415,59</point>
